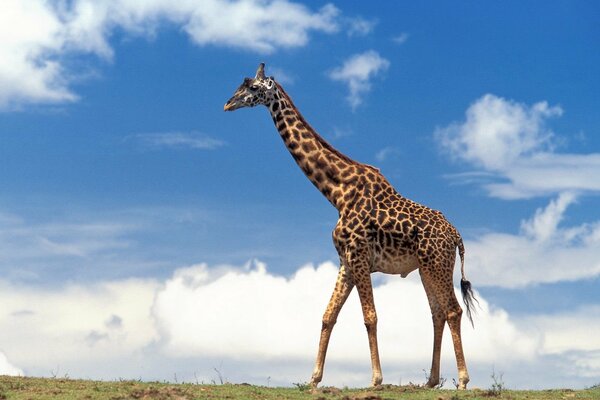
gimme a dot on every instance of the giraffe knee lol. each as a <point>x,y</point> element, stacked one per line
<point>371,322</point>
<point>328,322</point>
<point>455,314</point>
<point>438,317</point>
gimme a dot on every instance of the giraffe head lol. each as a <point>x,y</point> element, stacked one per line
<point>253,91</point>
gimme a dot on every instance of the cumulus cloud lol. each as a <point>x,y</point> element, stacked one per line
<point>542,226</point>
<point>513,147</point>
<point>565,332</point>
<point>28,32</point>
<point>497,132</point>
<point>252,324</point>
<point>257,25</point>
<point>203,312</point>
<point>244,315</point>
<point>6,368</point>
<point>357,72</point>
<point>570,337</point>
<point>42,329</point>
<point>260,319</point>
<point>37,36</point>
<point>542,252</point>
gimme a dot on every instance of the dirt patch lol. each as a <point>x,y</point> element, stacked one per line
<point>363,396</point>
<point>154,393</point>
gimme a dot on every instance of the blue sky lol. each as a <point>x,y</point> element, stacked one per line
<point>129,196</point>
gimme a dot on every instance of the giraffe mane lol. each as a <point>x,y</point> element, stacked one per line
<point>320,138</point>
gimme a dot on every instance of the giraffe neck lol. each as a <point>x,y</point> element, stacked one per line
<point>328,169</point>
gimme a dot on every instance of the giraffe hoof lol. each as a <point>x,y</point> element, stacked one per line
<point>314,381</point>
<point>432,383</point>
<point>462,382</point>
<point>376,382</point>
<point>461,385</point>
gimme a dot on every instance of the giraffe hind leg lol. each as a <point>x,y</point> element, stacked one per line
<point>444,308</point>
<point>439,322</point>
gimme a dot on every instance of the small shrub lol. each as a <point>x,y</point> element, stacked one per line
<point>596,386</point>
<point>302,386</point>
<point>498,385</point>
<point>222,380</point>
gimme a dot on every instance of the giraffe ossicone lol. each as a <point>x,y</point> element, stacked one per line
<point>378,230</point>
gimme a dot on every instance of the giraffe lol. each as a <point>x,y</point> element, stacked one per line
<point>378,230</point>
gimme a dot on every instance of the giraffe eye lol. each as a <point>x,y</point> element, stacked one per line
<point>254,87</point>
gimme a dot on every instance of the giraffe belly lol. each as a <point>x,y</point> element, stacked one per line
<point>401,264</point>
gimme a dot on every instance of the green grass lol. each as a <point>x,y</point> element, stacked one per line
<point>54,388</point>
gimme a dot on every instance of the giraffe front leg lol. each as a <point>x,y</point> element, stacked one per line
<point>365,291</point>
<point>361,272</point>
<point>438,330</point>
<point>342,290</point>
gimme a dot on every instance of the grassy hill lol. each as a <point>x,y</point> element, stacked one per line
<point>43,388</point>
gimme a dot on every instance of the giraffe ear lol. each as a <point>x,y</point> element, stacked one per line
<point>260,72</point>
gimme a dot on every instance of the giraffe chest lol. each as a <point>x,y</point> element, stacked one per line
<point>398,262</point>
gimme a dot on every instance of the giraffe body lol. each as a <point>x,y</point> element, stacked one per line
<point>378,230</point>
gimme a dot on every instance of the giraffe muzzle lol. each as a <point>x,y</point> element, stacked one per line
<point>231,105</point>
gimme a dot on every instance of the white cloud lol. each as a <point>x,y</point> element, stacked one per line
<point>385,153</point>
<point>565,332</point>
<point>282,76</point>
<point>29,31</point>
<point>338,132</point>
<point>511,142</point>
<point>571,336</point>
<point>56,245</point>
<point>401,38</point>
<point>202,312</point>
<point>27,247</point>
<point>6,368</point>
<point>545,221</point>
<point>497,132</point>
<point>192,140</point>
<point>357,72</point>
<point>64,239</point>
<point>544,174</point>
<point>251,324</point>
<point>257,25</point>
<point>543,252</point>
<point>247,315</point>
<point>359,26</point>
<point>37,35</point>
<point>42,329</point>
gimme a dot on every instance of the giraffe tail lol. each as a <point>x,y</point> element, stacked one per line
<point>465,285</point>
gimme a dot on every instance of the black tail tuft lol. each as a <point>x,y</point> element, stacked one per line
<point>468,298</point>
